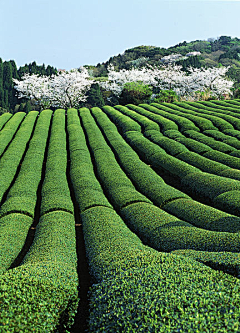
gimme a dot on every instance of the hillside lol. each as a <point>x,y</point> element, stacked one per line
<point>224,50</point>
<point>121,219</point>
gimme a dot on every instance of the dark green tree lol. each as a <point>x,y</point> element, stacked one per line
<point>135,93</point>
<point>94,96</point>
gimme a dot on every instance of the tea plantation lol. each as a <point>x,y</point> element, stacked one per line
<point>154,190</point>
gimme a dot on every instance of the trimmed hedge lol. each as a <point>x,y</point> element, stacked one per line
<point>229,201</point>
<point>41,294</point>
<point>231,161</point>
<point>132,292</point>
<point>224,138</point>
<point>164,123</point>
<point>203,216</point>
<point>217,145</point>
<point>142,175</point>
<point>183,123</point>
<point>10,160</point>
<point>145,123</point>
<point>165,232</point>
<point>124,123</point>
<point>227,262</point>
<point>4,119</point>
<point>202,163</point>
<point>10,129</point>
<point>172,147</point>
<point>117,185</point>
<point>55,190</point>
<point>22,196</point>
<point>208,186</point>
<point>201,123</point>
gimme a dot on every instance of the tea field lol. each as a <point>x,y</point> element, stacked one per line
<point>141,203</point>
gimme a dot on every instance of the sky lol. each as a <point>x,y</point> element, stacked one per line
<point>68,34</point>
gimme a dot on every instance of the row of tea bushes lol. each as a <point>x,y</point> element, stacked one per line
<point>208,114</point>
<point>137,288</point>
<point>146,123</point>
<point>4,119</point>
<point>10,160</point>
<point>129,275</point>
<point>41,293</point>
<point>202,123</point>
<point>117,185</point>
<point>142,176</point>
<point>17,212</point>
<point>164,123</point>
<point>183,123</point>
<point>162,195</point>
<point>55,190</point>
<point>87,189</point>
<point>227,262</point>
<point>22,196</point>
<point>9,130</point>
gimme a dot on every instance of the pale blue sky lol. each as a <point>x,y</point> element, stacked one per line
<point>71,33</point>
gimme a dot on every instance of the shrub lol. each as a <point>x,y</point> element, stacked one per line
<point>202,216</point>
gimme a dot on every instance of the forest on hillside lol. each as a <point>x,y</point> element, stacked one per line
<point>215,52</point>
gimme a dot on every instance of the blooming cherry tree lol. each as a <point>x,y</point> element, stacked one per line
<point>172,77</point>
<point>66,89</point>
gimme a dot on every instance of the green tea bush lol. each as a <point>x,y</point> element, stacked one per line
<point>207,185</point>
<point>10,129</point>
<point>217,145</point>
<point>202,163</point>
<point>41,294</point>
<point>123,122</point>
<point>4,118</point>
<point>203,216</point>
<point>164,123</point>
<point>13,155</point>
<point>183,123</point>
<point>229,201</point>
<point>231,161</point>
<point>165,232</point>
<point>202,123</point>
<point>227,262</point>
<point>171,146</point>
<point>146,124</point>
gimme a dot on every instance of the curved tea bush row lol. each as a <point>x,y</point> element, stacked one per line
<point>55,190</point>
<point>143,177</point>
<point>217,145</point>
<point>87,189</point>
<point>183,123</point>
<point>21,200</point>
<point>161,230</point>
<point>9,130</point>
<point>151,185</point>
<point>10,160</point>
<point>228,139</point>
<point>225,261</point>
<point>4,119</point>
<point>22,196</point>
<point>124,123</point>
<point>117,185</point>
<point>208,113</point>
<point>146,123</point>
<point>139,288</point>
<point>165,232</point>
<point>41,294</point>
<point>164,123</point>
<point>223,120</point>
<point>201,123</point>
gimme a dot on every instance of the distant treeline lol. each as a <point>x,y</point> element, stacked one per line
<point>8,71</point>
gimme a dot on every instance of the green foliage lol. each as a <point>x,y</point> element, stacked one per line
<point>203,216</point>
<point>229,201</point>
<point>4,118</point>
<point>41,294</point>
<point>225,261</point>
<point>94,97</point>
<point>168,96</point>
<point>135,93</point>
